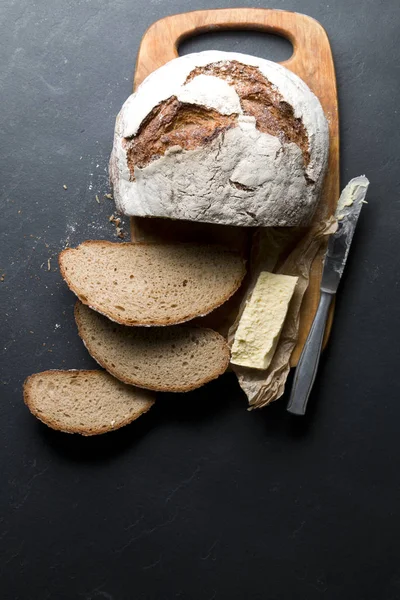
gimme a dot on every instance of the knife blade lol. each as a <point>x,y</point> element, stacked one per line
<point>348,210</point>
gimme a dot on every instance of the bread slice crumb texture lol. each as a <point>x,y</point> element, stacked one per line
<point>151,284</point>
<point>84,402</point>
<point>167,359</point>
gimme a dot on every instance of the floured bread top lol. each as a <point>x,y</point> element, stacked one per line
<point>221,137</point>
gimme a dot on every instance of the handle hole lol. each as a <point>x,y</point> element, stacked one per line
<point>258,43</point>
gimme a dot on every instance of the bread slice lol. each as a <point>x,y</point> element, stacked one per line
<point>166,359</point>
<point>151,284</point>
<point>85,402</point>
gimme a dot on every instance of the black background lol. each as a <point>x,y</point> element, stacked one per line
<point>199,499</point>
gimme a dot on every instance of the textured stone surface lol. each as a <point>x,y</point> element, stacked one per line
<point>199,500</point>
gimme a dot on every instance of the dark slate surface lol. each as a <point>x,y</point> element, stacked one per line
<point>199,500</point>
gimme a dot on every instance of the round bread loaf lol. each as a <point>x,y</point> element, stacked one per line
<point>221,137</point>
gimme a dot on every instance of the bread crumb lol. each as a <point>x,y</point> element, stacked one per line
<point>49,264</point>
<point>117,222</point>
<point>65,187</point>
<point>97,199</point>
<point>109,196</point>
<point>2,277</point>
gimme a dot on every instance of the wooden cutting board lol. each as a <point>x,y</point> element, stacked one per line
<point>311,60</point>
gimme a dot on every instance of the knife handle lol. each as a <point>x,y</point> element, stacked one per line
<point>308,363</point>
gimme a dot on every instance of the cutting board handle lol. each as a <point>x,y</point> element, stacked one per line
<point>164,36</point>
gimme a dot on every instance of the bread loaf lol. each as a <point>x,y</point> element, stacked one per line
<point>221,137</point>
<point>166,359</point>
<point>151,284</point>
<point>85,402</point>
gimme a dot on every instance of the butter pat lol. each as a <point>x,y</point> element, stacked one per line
<point>262,320</point>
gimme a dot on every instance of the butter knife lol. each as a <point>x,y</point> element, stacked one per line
<point>348,210</point>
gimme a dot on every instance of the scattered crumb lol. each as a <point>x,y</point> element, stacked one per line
<point>31,332</point>
<point>19,212</point>
<point>117,222</point>
<point>109,196</point>
<point>65,187</point>
<point>364,202</point>
<point>97,199</point>
<point>2,277</point>
<point>49,264</point>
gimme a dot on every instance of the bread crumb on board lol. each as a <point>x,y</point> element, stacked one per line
<point>65,187</point>
<point>117,222</point>
<point>2,277</point>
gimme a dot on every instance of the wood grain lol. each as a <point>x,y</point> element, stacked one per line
<point>311,60</point>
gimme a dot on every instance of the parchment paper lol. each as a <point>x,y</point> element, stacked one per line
<point>290,252</point>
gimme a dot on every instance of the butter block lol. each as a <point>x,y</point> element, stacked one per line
<point>262,320</point>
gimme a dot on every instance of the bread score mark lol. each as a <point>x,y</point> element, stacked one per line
<point>189,126</point>
<point>261,100</point>
<point>174,123</point>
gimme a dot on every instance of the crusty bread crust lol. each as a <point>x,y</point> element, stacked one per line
<point>30,403</point>
<point>113,317</point>
<point>132,380</point>
<point>221,137</point>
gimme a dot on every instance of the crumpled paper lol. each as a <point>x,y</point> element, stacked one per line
<point>290,252</point>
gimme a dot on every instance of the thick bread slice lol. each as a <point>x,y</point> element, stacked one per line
<point>151,284</point>
<point>166,359</point>
<point>85,402</point>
